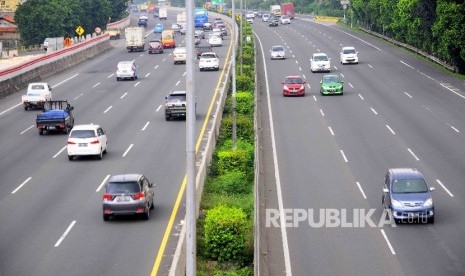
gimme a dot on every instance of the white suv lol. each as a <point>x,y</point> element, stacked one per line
<point>87,140</point>
<point>285,20</point>
<point>348,55</point>
<point>209,61</point>
<point>126,70</point>
<point>180,55</point>
<point>320,62</point>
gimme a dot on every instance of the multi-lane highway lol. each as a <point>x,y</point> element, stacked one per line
<point>51,209</point>
<point>332,152</point>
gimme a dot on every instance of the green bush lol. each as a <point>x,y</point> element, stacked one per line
<point>247,70</point>
<point>245,271</point>
<point>244,128</point>
<point>233,160</point>
<point>244,202</point>
<point>225,230</point>
<point>243,82</point>
<point>247,49</point>
<point>248,59</point>
<point>231,183</point>
<point>245,103</point>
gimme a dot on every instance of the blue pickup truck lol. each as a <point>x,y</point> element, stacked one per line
<point>57,117</point>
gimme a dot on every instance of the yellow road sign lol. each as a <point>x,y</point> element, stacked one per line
<point>79,30</point>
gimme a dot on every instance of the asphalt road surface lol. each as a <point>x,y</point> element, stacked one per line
<point>332,153</point>
<point>51,209</point>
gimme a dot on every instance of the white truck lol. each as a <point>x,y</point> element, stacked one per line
<point>135,38</point>
<point>162,13</point>
<point>181,18</point>
<point>36,96</point>
<point>275,10</point>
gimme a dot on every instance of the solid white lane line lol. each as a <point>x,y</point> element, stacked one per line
<point>63,81</point>
<point>413,154</point>
<point>5,111</point>
<point>390,129</point>
<point>110,76</point>
<point>21,185</point>
<point>177,83</point>
<point>137,83</point>
<point>322,113</point>
<point>444,187</point>
<point>124,95</point>
<point>26,129</point>
<point>58,153</point>
<point>155,67</point>
<point>408,95</point>
<point>388,242</point>
<point>287,258</point>
<point>108,109</point>
<point>95,85</point>
<point>374,111</point>
<point>406,64</point>
<point>65,233</point>
<point>331,130</point>
<point>158,108</point>
<point>456,130</point>
<point>129,148</point>
<point>351,86</point>
<point>369,65</point>
<point>446,87</point>
<point>314,98</point>
<point>146,75</point>
<point>146,125</point>
<point>361,97</point>
<point>103,183</point>
<point>344,156</point>
<point>361,190</point>
<point>78,96</point>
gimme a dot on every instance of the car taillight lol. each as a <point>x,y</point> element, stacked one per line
<point>95,142</point>
<point>71,143</point>
<point>107,197</point>
<point>138,195</point>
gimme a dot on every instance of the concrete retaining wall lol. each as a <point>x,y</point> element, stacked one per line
<point>18,76</point>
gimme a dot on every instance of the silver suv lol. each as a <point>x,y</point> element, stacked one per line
<point>128,194</point>
<point>175,104</point>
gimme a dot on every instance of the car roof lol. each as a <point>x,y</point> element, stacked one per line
<point>38,83</point>
<point>293,77</point>
<point>178,92</point>
<point>208,53</point>
<point>405,173</point>
<point>85,127</point>
<point>126,62</point>
<point>319,54</point>
<point>348,48</point>
<point>125,177</point>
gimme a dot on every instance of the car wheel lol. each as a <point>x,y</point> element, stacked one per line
<point>25,107</point>
<point>106,217</point>
<point>146,215</point>
<point>168,118</point>
<point>117,79</point>
<point>41,132</point>
<point>66,130</point>
<point>105,151</point>
<point>431,220</point>
<point>135,77</point>
<point>100,155</point>
<point>70,157</point>
<point>151,205</point>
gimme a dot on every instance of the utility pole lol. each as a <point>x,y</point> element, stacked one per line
<point>240,35</point>
<point>191,231</point>
<point>234,134</point>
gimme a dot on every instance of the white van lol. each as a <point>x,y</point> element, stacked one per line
<point>163,13</point>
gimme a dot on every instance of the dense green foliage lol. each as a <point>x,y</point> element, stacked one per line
<point>434,26</point>
<point>38,19</point>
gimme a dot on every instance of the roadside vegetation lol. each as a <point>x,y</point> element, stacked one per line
<point>225,228</point>
<point>38,19</point>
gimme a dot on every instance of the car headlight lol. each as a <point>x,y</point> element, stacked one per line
<point>396,203</point>
<point>302,87</point>
<point>428,202</point>
<point>285,87</point>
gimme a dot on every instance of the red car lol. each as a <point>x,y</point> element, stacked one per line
<point>293,86</point>
<point>155,46</point>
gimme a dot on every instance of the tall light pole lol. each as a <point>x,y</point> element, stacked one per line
<point>240,35</point>
<point>234,132</point>
<point>191,260</point>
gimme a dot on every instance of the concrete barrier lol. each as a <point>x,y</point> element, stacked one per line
<point>17,77</point>
<point>120,24</point>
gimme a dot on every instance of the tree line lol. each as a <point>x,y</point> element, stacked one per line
<point>38,19</point>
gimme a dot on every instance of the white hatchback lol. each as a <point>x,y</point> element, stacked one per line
<point>215,40</point>
<point>348,55</point>
<point>320,62</point>
<point>180,55</point>
<point>87,140</point>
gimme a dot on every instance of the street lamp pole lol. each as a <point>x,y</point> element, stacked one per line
<point>233,39</point>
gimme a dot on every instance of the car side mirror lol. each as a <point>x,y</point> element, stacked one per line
<point>311,59</point>
<point>432,189</point>
<point>151,185</point>
<point>385,190</point>
<point>342,81</point>
<point>304,82</point>
<point>321,82</point>
<point>282,82</point>
<point>166,98</point>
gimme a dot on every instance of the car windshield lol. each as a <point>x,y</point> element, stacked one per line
<point>124,66</point>
<point>277,49</point>
<point>329,79</point>
<point>320,58</point>
<point>84,133</point>
<point>293,81</point>
<point>402,186</point>
<point>208,56</point>
<point>123,187</point>
<point>166,36</point>
<point>37,87</point>
<point>177,98</point>
<point>349,51</point>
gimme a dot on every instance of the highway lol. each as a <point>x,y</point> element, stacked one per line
<point>332,152</point>
<point>51,209</point>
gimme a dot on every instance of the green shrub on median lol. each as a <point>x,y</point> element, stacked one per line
<point>244,128</point>
<point>244,103</point>
<point>244,83</point>
<point>230,183</point>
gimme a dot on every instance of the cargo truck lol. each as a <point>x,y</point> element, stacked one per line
<point>288,9</point>
<point>275,10</point>
<point>135,39</point>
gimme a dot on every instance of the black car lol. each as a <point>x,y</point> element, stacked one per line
<point>273,22</point>
<point>202,48</point>
<point>155,46</point>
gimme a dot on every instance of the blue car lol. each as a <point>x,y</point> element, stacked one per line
<point>407,196</point>
<point>158,29</point>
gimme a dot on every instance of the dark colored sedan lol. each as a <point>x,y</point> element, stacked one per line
<point>155,46</point>
<point>273,22</point>
<point>128,194</point>
<point>407,196</point>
